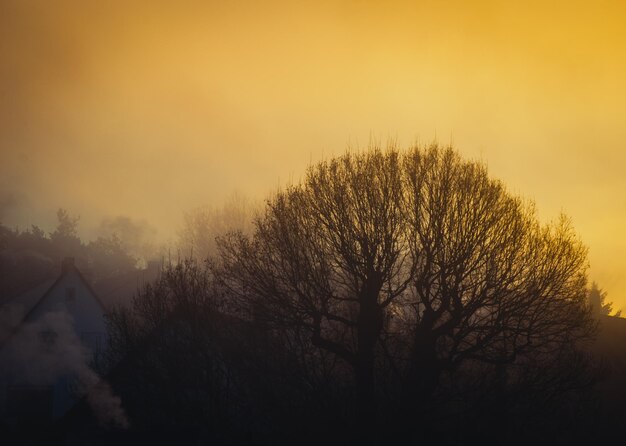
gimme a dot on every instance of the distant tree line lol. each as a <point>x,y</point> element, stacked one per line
<point>30,256</point>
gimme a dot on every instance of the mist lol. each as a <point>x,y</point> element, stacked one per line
<point>141,113</point>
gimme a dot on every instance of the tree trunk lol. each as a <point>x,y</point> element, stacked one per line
<point>365,394</point>
<point>419,388</point>
<point>424,370</point>
<point>369,326</point>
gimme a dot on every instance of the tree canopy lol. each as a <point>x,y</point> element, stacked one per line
<point>417,258</point>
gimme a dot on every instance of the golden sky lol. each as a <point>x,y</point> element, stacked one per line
<point>149,108</point>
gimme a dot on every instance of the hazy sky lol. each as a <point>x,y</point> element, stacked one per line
<point>152,109</point>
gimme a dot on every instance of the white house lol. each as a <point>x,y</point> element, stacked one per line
<point>49,339</point>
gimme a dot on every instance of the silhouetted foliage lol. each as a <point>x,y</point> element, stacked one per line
<point>135,236</point>
<point>413,268</point>
<point>109,257</point>
<point>166,335</point>
<point>183,363</point>
<point>599,305</point>
<point>65,237</point>
<point>202,225</point>
<point>67,225</point>
<point>30,256</point>
<point>390,296</point>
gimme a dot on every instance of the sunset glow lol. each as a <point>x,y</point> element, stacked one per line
<point>153,109</point>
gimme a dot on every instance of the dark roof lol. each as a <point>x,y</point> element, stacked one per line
<point>29,298</point>
<point>36,295</point>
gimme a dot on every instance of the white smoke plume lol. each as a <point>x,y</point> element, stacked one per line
<point>47,349</point>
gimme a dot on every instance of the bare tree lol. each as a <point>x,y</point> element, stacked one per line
<point>414,257</point>
<point>201,225</point>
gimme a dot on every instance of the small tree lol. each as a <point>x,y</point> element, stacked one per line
<point>67,226</point>
<point>417,257</point>
<point>598,304</point>
<point>180,362</point>
<point>64,238</point>
<point>203,224</point>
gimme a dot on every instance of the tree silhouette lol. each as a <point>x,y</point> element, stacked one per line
<point>64,238</point>
<point>597,302</point>
<point>67,225</point>
<point>416,258</point>
<point>203,224</point>
<point>109,257</point>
